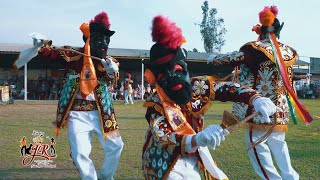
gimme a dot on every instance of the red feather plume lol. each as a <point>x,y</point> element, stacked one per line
<point>102,18</point>
<point>274,10</point>
<point>267,15</point>
<point>166,33</point>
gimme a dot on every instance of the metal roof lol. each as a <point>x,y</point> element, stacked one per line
<point>12,48</point>
<point>301,62</point>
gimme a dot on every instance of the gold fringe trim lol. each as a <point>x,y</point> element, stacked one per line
<point>212,80</point>
<point>270,56</point>
<point>265,127</point>
<point>111,135</point>
<point>56,132</point>
<point>171,167</point>
<point>206,107</point>
<point>156,106</point>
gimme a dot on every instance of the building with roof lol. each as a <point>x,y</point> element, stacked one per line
<point>130,61</point>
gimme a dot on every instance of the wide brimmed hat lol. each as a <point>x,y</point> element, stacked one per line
<point>101,24</point>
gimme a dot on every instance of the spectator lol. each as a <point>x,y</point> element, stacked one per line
<point>128,91</point>
<point>121,91</point>
<point>113,92</point>
<point>53,91</point>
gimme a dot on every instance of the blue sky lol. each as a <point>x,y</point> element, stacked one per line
<point>59,20</point>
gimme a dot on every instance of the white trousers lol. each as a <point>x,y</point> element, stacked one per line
<point>81,126</point>
<point>127,97</point>
<point>186,168</point>
<point>261,159</point>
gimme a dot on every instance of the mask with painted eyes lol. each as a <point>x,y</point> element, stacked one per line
<point>173,77</point>
<point>99,44</point>
<point>99,37</point>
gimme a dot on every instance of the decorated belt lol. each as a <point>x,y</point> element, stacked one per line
<point>83,105</point>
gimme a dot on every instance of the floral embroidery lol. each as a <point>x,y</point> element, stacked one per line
<point>245,76</point>
<point>239,110</point>
<point>162,135</point>
<point>224,58</point>
<point>265,86</point>
<point>230,84</point>
<point>200,87</point>
<point>245,90</point>
<point>286,51</point>
<point>283,114</point>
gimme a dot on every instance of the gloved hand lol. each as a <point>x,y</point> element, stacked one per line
<point>266,108</point>
<point>211,136</point>
<point>110,67</point>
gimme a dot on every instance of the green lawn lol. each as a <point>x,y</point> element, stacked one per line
<point>21,118</point>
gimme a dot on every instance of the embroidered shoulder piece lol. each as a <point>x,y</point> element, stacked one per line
<point>289,55</point>
<point>202,94</point>
<point>154,101</point>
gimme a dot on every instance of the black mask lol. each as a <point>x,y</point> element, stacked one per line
<point>99,44</point>
<point>174,79</point>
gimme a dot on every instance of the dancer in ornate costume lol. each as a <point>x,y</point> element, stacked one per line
<point>266,66</point>
<point>176,141</point>
<point>85,105</point>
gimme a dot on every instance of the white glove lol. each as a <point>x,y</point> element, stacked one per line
<point>265,107</point>
<point>211,136</point>
<point>110,67</point>
<point>210,58</point>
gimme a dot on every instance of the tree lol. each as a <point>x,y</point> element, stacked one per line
<point>212,29</point>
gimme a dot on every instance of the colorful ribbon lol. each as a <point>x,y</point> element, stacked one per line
<point>304,114</point>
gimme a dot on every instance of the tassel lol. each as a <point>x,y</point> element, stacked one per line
<point>56,132</point>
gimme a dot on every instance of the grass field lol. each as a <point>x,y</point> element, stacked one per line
<point>20,119</point>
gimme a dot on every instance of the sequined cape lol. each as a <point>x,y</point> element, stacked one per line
<point>257,70</point>
<point>163,146</point>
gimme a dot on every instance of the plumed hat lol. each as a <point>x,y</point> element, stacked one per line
<point>269,21</point>
<point>168,39</point>
<point>101,23</point>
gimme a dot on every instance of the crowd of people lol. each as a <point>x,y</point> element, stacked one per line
<point>311,91</point>
<point>40,89</point>
<point>137,93</point>
<point>49,88</point>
